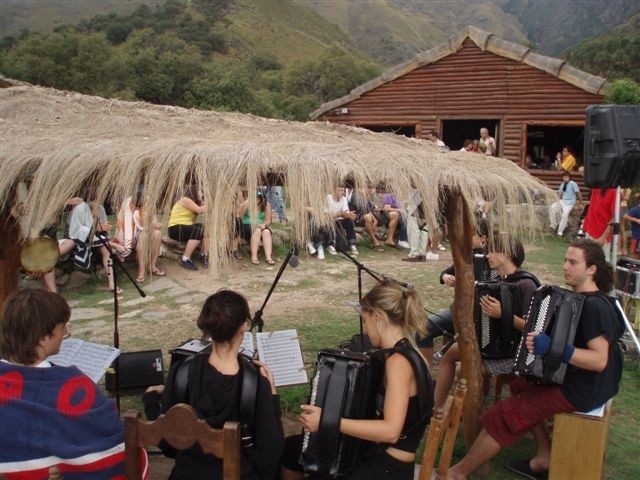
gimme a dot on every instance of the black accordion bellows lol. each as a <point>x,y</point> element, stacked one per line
<point>344,384</point>
<point>556,312</point>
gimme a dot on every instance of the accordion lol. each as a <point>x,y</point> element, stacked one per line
<point>556,312</point>
<point>496,336</point>
<point>344,384</point>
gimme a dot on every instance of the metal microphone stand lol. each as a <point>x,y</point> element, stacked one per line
<point>257,317</point>
<point>377,276</point>
<point>113,262</point>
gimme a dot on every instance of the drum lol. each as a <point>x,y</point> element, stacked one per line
<point>39,255</point>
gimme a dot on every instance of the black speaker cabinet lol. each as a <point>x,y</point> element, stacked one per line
<point>137,369</point>
<point>612,146</point>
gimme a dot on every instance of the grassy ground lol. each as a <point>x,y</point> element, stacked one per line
<point>312,298</point>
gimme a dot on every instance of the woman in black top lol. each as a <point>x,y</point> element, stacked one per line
<point>214,388</point>
<point>392,316</point>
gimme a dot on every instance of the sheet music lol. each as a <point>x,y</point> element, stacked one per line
<point>92,359</point>
<point>247,346</point>
<point>281,351</point>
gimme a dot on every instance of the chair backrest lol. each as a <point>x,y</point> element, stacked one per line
<point>181,428</point>
<point>443,428</point>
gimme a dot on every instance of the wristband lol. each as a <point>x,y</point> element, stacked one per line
<point>541,344</point>
<point>568,352</point>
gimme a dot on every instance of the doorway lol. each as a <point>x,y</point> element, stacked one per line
<point>455,132</point>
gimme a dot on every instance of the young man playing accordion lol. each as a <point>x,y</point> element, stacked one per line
<point>594,369</point>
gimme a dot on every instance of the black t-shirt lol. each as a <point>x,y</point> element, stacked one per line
<point>587,389</point>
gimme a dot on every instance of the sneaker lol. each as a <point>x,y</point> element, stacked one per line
<point>417,258</point>
<point>560,234</point>
<point>311,249</point>
<point>354,250</point>
<point>432,256</point>
<point>442,248</point>
<point>205,260</point>
<point>404,244</point>
<point>320,253</point>
<point>188,263</point>
<point>332,250</point>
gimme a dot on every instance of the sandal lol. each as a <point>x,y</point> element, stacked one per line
<point>378,247</point>
<point>270,261</point>
<point>139,280</point>
<point>255,261</point>
<point>235,254</point>
<point>158,273</point>
<point>119,291</point>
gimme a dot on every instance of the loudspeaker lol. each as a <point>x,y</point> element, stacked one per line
<point>137,369</point>
<point>612,146</point>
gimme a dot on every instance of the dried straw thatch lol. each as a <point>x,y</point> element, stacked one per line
<point>63,141</point>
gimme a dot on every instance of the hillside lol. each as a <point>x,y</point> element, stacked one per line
<point>45,15</point>
<point>392,31</point>
<point>613,55</point>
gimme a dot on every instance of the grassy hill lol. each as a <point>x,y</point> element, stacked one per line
<point>45,15</point>
<point>282,28</point>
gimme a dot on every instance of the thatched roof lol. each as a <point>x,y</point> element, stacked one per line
<point>488,42</point>
<point>62,141</point>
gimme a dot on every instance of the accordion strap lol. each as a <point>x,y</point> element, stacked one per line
<point>506,320</point>
<point>329,427</point>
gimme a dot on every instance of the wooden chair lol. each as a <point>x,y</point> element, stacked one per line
<point>181,428</point>
<point>445,423</point>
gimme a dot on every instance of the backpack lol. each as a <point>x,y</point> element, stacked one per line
<point>248,396</point>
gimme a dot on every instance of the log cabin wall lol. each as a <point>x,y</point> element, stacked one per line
<point>469,84</point>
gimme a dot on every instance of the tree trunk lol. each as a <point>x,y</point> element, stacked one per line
<point>9,255</point>
<point>460,231</point>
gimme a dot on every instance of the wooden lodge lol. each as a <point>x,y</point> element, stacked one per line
<point>531,104</point>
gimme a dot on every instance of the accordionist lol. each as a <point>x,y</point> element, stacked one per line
<point>593,374</point>
<point>507,266</point>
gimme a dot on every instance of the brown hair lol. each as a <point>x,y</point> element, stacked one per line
<point>594,255</point>
<point>222,314</point>
<point>508,245</point>
<point>28,317</point>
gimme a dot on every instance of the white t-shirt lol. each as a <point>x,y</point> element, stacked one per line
<point>337,206</point>
<point>490,143</point>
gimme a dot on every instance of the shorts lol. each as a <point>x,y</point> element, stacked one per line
<point>510,419</point>
<point>183,233</point>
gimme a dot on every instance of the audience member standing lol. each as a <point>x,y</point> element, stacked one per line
<point>597,222</point>
<point>489,142</point>
<point>559,211</point>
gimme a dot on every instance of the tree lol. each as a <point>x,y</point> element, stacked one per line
<point>624,91</point>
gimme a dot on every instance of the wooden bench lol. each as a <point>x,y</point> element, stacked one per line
<point>579,445</point>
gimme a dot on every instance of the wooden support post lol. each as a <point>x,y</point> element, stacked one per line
<point>9,255</point>
<point>460,231</point>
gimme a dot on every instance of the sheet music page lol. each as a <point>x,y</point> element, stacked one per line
<point>280,350</point>
<point>92,359</point>
<point>247,347</point>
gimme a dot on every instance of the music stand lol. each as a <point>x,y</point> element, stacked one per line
<point>112,262</point>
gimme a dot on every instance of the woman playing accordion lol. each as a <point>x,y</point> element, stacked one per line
<point>392,315</point>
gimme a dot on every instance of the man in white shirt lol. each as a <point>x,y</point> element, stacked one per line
<point>489,142</point>
<point>559,211</point>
